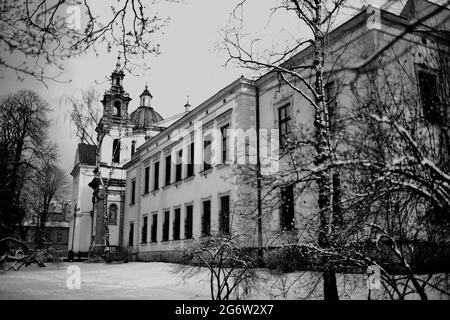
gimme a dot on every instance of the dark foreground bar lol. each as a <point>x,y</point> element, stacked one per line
<point>205,309</point>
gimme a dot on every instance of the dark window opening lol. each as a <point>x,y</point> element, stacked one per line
<point>116,151</point>
<point>177,224</point>
<point>133,147</point>
<point>144,230</point>
<point>224,132</point>
<point>287,208</point>
<point>224,217</point>
<point>206,218</point>
<point>147,180</point>
<point>117,106</point>
<point>284,124</point>
<point>178,167</point>
<point>207,154</point>
<point>131,234</point>
<point>190,166</point>
<point>168,167</point>
<point>133,192</point>
<point>166,226</point>
<point>154,227</point>
<point>156,178</point>
<point>188,223</point>
<point>428,83</point>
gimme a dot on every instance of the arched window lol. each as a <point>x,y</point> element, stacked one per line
<point>112,214</point>
<point>117,108</point>
<point>116,151</point>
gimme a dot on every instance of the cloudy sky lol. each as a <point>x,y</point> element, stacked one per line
<point>190,64</point>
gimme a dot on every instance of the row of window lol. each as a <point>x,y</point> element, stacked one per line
<point>224,223</point>
<point>189,172</point>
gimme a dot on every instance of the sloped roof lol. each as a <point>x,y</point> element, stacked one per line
<point>86,154</point>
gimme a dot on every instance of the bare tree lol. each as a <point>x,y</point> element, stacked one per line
<point>42,34</point>
<point>318,160</point>
<point>49,183</point>
<point>24,147</point>
<point>230,267</point>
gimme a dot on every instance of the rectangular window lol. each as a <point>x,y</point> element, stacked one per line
<point>190,166</point>
<point>287,208</point>
<point>116,151</point>
<point>154,227</point>
<point>178,167</point>
<point>147,180</point>
<point>168,168</point>
<point>330,96</point>
<point>144,230</point>
<point>177,224</point>
<point>166,226</point>
<point>206,218</point>
<point>133,192</point>
<point>133,147</point>
<point>188,222</point>
<point>207,154</point>
<point>224,216</point>
<point>224,133</point>
<point>131,234</point>
<point>284,124</point>
<point>156,177</point>
<point>428,83</point>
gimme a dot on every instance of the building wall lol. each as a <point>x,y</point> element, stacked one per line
<point>236,108</point>
<point>79,239</point>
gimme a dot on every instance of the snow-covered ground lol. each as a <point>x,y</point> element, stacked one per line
<point>153,280</point>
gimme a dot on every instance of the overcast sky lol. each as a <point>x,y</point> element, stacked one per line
<point>190,64</point>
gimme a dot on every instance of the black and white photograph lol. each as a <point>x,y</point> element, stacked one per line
<point>244,151</point>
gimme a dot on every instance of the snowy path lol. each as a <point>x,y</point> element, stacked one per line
<point>135,280</point>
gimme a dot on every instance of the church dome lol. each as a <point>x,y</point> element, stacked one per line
<point>143,117</point>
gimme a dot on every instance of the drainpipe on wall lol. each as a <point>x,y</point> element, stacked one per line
<point>258,182</point>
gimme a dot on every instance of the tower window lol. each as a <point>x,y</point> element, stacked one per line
<point>112,214</point>
<point>133,147</point>
<point>117,108</point>
<point>116,151</point>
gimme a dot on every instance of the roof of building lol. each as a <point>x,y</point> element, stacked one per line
<point>143,117</point>
<point>86,154</point>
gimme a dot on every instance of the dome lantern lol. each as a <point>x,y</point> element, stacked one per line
<point>146,97</point>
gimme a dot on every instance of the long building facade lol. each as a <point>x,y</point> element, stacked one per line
<point>184,183</point>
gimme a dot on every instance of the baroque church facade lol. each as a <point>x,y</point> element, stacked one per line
<point>178,184</point>
<point>123,133</point>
